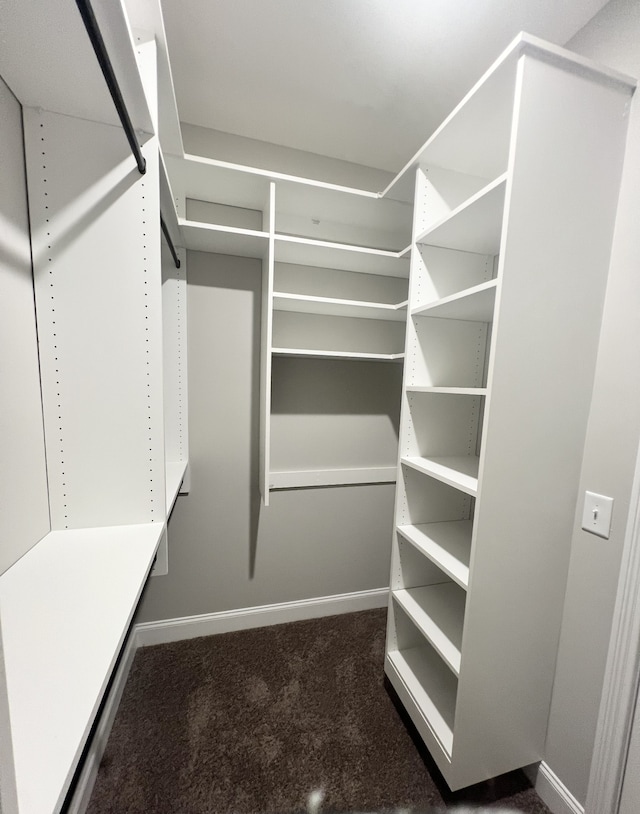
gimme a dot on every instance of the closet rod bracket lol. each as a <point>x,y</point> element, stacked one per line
<point>91,24</point>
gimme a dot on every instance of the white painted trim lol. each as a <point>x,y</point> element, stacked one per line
<point>209,624</point>
<point>87,779</point>
<point>622,673</point>
<point>552,790</point>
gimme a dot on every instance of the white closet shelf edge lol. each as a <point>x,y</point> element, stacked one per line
<point>269,175</point>
<point>303,303</point>
<point>475,304</point>
<point>337,354</point>
<point>300,479</point>
<point>459,471</point>
<point>438,612</point>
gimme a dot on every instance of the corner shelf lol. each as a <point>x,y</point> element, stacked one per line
<point>474,226</point>
<point>335,354</point>
<point>447,544</point>
<point>474,304</point>
<point>307,304</point>
<point>459,471</point>
<point>209,237</point>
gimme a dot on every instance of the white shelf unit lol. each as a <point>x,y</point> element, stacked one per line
<point>335,273</point>
<point>337,306</point>
<point>111,322</point>
<point>512,223</point>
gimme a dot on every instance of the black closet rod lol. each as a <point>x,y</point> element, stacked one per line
<point>90,23</point>
<point>167,237</point>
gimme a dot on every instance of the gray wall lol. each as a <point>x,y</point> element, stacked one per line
<point>225,550</point>
<point>613,38</point>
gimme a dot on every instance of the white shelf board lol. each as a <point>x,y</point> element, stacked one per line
<point>447,544</point>
<point>300,479</point>
<point>438,612</point>
<point>307,304</point>
<point>304,251</point>
<point>475,225</point>
<point>451,391</point>
<point>474,304</point>
<point>146,15</point>
<point>208,237</point>
<point>46,48</point>
<point>208,179</point>
<point>434,697</point>
<point>174,475</point>
<point>66,608</point>
<point>337,354</point>
<point>459,471</point>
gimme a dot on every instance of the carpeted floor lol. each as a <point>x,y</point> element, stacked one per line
<point>254,722</point>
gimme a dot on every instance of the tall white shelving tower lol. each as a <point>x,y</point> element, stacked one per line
<point>515,199</point>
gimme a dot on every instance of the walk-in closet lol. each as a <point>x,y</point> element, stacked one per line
<point>337,440</point>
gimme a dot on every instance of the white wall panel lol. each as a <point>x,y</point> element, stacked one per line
<point>24,510</point>
<point>96,254</point>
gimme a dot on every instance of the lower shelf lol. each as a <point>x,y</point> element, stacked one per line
<point>438,613</point>
<point>66,609</point>
<point>428,691</point>
<point>300,479</point>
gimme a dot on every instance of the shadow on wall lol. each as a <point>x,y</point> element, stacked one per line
<point>221,276</point>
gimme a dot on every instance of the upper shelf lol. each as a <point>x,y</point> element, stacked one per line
<point>66,609</point>
<point>337,307</point>
<point>475,225</point>
<point>59,49</point>
<point>304,207</point>
<point>474,138</point>
<point>474,304</point>
<point>209,237</point>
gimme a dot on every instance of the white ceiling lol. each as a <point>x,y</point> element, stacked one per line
<point>362,80</point>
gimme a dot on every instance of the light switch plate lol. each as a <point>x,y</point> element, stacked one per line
<point>596,515</point>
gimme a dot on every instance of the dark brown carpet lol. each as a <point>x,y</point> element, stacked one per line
<point>253,722</point>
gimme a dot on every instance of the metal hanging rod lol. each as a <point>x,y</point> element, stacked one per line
<point>167,237</point>
<point>90,23</point>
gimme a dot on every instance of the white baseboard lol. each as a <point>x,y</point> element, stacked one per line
<point>552,790</point>
<point>87,779</point>
<point>209,624</point>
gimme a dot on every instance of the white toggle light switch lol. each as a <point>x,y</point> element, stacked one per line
<point>596,516</point>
